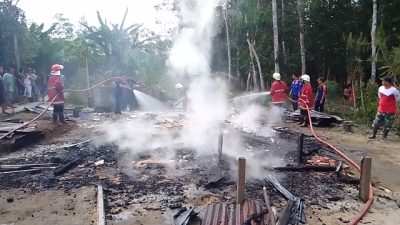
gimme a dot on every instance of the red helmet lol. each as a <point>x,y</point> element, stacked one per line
<point>56,67</point>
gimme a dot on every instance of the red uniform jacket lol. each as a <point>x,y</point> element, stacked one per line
<point>278,92</point>
<point>387,100</point>
<point>306,97</point>
<point>55,87</point>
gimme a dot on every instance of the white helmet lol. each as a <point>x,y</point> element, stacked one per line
<point>178,86</point>
<point>305,77</point>
<point>276,76</point>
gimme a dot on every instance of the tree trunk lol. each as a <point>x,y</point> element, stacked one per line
<point>228,43</point>
<point>259,67</point>
<point>255,80</point>
<point>16,52</point>
<point>248,80</point>
<point>362,97</point>
<point>237,69</point>
<point>87,71</point>
<point>276,38</point>
<point>300,9</point>
<point>283,28</point>
<point>373,41</point>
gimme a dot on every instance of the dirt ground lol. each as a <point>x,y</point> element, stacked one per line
<point>385,169</point>
<point>60,205</point>
<point>385,153</point>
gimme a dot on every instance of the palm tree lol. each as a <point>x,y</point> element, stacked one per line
<point>116,41</point>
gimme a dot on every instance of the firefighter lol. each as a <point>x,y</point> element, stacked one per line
<point>305,99</point>
<point>278,90</point>
<point>56,93</point>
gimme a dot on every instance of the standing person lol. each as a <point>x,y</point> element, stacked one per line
<point>8,79</point>
<point>28,88</point>
<point>56,93</point>
<point>20,88</point>
<point>295,90</point>
<point>35,90</point>
<point>132,102</point>
<point>278,90</point>
<point>321,95</point>
<point>118,96</point>
<point>306,100</point>
<point>387,108</point>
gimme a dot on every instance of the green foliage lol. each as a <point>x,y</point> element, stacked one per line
<point>333,88</point>
<point>389,55</point>
<point>370,94</point>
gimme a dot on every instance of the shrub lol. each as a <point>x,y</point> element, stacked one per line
<point>333,88</point>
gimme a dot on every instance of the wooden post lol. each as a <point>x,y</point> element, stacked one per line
<point>100,206</point>
<point>220,144</point>
<point>300,145</point>
<point>241,181</point>
<point>365,178</point>
<point>268,204</point>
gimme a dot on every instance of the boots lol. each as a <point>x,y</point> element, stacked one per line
<point>374,132</point>
<point>305,124</point>
<point>385,133</point>
<point>61,116</point>
<point>55,118</point>
<point>301,121</point>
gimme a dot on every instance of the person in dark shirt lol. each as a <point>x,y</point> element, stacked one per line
<point>295,90</point>
<point>118,96</point>
<point>321,95</point>
<point>120,87</point>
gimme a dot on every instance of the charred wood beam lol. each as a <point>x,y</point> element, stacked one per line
<point>63,169</point>
<point>21,171</point>
<point>256,217</point>
<point>297,215</point>
<point>307,168</point>
<point>267,202</point>
<point>284,219</point>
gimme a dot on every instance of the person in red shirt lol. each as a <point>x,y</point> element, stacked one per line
<point>278,90</point>
<point>387,108</point>
<point>56,93</point>
<point>306,100</point>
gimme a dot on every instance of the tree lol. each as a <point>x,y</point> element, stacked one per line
<point>116,41</point>
<point>228,45</point>
<point>12,24</point>
<point>300,9</point>
<point>373,41</point>
<point>276,37</point>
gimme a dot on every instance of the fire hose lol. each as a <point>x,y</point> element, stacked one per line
<point>368,204</point>
<point>51,102</point>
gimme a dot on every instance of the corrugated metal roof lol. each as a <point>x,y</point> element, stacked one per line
<point>224,214</point>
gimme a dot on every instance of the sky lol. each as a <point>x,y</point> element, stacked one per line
<point>140,11</point>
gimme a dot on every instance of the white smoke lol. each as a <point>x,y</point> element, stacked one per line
<point>208,103</point>
<point>190,56</point>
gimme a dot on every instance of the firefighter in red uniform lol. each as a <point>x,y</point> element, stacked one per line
<point>305,99</point>
<point>278,90</point>
<point>56,92</point>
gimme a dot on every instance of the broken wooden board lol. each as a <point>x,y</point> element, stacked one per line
<point>20,139</point>
<point>7,127</point>
<point>318,118</point>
